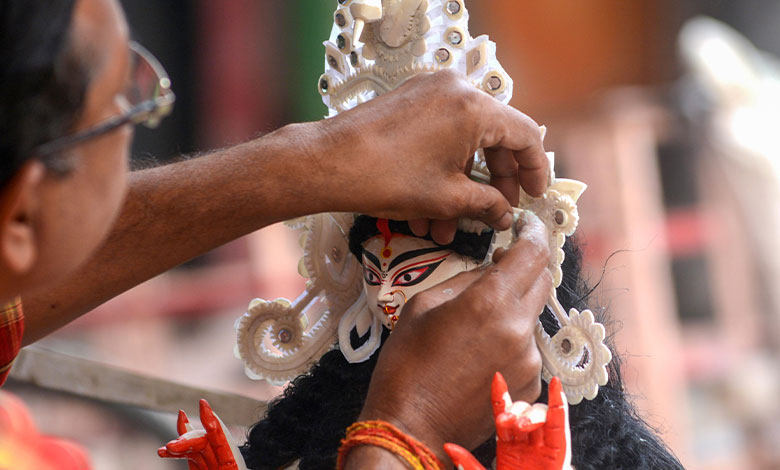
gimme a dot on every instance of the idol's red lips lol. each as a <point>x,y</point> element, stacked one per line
<point>388,309</point>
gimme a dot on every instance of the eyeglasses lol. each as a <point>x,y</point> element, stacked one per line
<point>147,100</point>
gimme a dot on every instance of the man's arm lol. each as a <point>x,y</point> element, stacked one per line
<point>401,156</point>
<point>176,212</point>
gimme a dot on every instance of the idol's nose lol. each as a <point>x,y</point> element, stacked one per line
<point>385,296</point>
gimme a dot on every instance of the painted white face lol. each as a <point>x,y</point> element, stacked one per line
<point>392,275</point>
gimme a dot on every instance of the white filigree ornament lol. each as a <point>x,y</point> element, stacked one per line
<point>279,340</point>
<point>576,353</point>
<point>374,47</point>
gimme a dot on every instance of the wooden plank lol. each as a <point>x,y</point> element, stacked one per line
<point>56,371</point>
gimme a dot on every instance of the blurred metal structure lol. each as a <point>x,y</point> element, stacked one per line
<point>90,379</point>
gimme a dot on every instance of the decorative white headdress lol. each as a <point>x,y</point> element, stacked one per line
<point>374,46</point>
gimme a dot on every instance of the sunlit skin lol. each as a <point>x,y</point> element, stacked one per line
<point>393,274</point>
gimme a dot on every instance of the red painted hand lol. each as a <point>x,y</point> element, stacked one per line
<point>210,448</point>
<point>530,437</point>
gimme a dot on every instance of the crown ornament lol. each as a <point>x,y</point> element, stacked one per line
<point>374,47</point>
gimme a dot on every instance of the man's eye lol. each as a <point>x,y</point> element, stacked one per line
<point>413,276</point>
<point>370,277</point>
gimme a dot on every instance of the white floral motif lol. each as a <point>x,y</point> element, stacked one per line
<point>576,354</point>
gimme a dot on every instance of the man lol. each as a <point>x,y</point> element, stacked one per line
<point>67,72</point>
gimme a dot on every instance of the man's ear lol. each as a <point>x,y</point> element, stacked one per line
<point>19,203</point>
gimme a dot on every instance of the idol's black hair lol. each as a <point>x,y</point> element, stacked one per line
<point>308,421</point>
<point>43,82</point>
<point>473,245</point>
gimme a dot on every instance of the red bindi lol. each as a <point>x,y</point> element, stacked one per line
<point>383,225</point>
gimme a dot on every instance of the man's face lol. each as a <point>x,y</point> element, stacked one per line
<point>77,210</point>
<point>393,274</point>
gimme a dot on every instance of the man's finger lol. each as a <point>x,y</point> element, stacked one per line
<point>521,135</point>
<point>485,203</point>
<point>420,227</point>
<point>522,264</point>
<point>443,231</point>
<point>533,179</point>
<point>503,173</point>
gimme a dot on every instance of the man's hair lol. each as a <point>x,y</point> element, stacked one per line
<point>42,81</point>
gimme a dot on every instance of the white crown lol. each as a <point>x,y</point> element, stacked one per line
<point>375,46</point>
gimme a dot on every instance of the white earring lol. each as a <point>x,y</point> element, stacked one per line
<point>359,317</point>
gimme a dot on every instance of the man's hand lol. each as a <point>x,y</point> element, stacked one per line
<point>432,373</point>
<point>405,155</point>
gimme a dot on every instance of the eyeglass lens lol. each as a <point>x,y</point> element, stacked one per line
<point>144,81</point>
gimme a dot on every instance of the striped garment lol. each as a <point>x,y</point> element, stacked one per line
<point>11,330</point>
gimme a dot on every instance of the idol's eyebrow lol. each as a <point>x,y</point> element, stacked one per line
<point>372,258</point>
<point>412,254</point>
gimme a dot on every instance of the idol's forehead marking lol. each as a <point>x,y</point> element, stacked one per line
<point>403,257</point>
<point>369,256</point>
<point>407,255</point>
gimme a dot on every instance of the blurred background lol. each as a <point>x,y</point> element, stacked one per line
<point>668,110</point>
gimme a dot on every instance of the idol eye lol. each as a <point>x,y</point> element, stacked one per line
<point>371,277</point>
<point>414,276</point>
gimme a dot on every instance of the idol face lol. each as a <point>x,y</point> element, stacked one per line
<point>394,273</point>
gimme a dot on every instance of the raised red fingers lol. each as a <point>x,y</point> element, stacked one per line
<point>225,456</point>
<point>183,445</point>
<point>462,458</point>
<point>525,426</point>
<point>207,418</point>
<point>196,462</point>
<point>181,423</point>
<point>506,423</point>
<point>220,448</point>
<point>536,437</point>
<point>191,464</point>
<point>554,397</point>
<point>555,425</point>
<point>210,458</point>
<point>498,391</point>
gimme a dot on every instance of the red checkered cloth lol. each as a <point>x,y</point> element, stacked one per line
<point>11,330</point>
